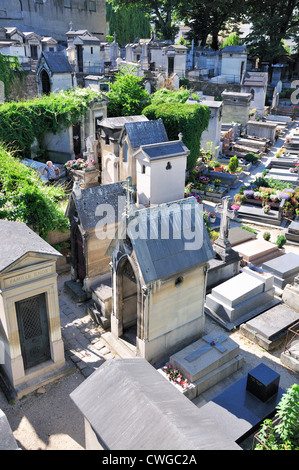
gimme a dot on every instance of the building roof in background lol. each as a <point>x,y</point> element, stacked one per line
<point>146,132</point>
<point>57,62</point>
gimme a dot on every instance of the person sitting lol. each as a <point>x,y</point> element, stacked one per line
<point>51,171</point>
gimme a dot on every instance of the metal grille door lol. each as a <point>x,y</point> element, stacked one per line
<point>33,330</point>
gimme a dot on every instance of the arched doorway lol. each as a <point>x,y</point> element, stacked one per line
<point>128,297</point>
<point>46,84</point>
<point>79,255</point>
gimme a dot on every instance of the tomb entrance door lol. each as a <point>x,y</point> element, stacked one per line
<point>80,257</point>
<point>33,330</point>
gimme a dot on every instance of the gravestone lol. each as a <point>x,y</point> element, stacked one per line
<point>292,233</point>
<point>269,328</point>
<point>239,235</point>
<point>206,362</point>
<point>290,294</point>
<point>241,298</point>
<point>284,269</point>
<point>258,251</point>
<point>290,355</point>
<point>242,407</point>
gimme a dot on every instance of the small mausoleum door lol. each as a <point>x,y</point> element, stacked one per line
<point>77,139</point>
<point>33,330</point>
<point>170,65</point>
<point>80,257</point>
<point>129,297</point>
<point>46,85</point>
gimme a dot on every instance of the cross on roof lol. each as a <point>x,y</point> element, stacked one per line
<point>211,343</point>
<point>129,192</point>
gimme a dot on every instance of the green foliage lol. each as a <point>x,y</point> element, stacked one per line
<point>283,432</point>
<point>171,96</point>
<point>281,241</point>
<point>267,236</point>
<point>249,229</point>
<point>232,40</point>
<point>23,121</point>
<point>233,164</point>
<point>9,69</point>
<point>25,198</point>
<point>189,119</point>
<point>127,95</point>
<point>127,23</point>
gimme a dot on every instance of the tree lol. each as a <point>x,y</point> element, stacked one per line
<point>127,95</point>
<point>209,17</point>
<point>127,23</point>
<point>272,22</point>
<point>160,13</point>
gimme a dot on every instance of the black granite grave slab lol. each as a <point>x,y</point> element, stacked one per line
<point>238,235</point>
<point>292,234</point>
<point>238,412</point>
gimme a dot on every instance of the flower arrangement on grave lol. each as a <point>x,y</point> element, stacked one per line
<point>284,196</point>
<point>297,211</point>
<point>256,194</point>
<point>235,207</point>
<point>204,179</point>
<point>217,183</point>
<point>78,164</point>
<point>188,189</point>
<point>212,218</point>
<point>288,140</point>
<point>248,193</point>
<point>175,375</point>
<point>274,197</point>
<point>267,208</point>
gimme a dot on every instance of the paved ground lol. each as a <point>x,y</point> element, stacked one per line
<point>48,420</point>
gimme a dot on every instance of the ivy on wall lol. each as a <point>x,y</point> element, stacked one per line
<point>22,122</point>
<point>189,119</point>
<point>10,69</point>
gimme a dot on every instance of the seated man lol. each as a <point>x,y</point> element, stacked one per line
<point>51,171</point>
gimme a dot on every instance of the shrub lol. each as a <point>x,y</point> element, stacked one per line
<point>251,157</point>
<point>233,164</point>
<point>25,198</point>
<point>267,236</point>
<point>249,229</point>
<point>189,119</point>
<point>281,241</point>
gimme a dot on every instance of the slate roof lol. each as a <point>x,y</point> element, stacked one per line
<point>143,411</point>
<point>19,240</point>
<point>234,49</point>
<point>164,240</point>
<point>57,62</point>
<point>146,132</point>
<point>165,150</point>
<point>88,200</point>
<point>119,122</point>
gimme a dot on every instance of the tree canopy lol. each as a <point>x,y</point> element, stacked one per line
<point>127,23</point>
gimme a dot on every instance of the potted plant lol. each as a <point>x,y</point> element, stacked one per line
<point>212,218</point>
<point>218,166</point>
<point>288,209</point>
<point>257,195</point>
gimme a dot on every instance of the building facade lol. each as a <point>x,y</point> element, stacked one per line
<point>52,17</point>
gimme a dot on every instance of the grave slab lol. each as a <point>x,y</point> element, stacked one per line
<point>241,298</point>
<point>238,411</point>
<point>270,328</point>
<point>292,234</point>
<point>206,362</point>
<point>258,251</point>
<point>238,235</point>
<point>284,269</point>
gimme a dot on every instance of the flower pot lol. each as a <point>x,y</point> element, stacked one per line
<point>218,168</point>
<point>212,219</point>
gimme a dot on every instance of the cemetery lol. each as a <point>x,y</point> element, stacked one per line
<point>160,271</point>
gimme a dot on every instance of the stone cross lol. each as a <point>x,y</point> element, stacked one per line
<point>226,215</point>
<point>222,246</point>
<point>129,192</point>
<point>211,343</point>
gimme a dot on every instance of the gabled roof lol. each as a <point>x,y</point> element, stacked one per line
<point>57,62</point>
<point>146,132</point>
<point>170,239</point>
<point>19,240</point>
<point>144,411</point>
<point>88,200</point>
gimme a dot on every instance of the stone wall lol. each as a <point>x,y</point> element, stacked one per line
<point>213,89</point>
<point>24,87</point>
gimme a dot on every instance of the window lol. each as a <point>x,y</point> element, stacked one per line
<point>91,50</point>
<point>51,49</point>
<point>33,52</point>
<point>107,140</point>
<point>143,169</point>
<point>92,6</point>
<point>168,166</point>
<point>67,3</point>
